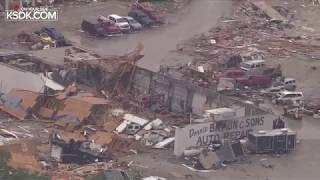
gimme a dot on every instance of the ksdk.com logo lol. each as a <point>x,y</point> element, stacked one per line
<point>25,12</point>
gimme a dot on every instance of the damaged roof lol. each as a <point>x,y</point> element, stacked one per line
<point>17,102</point>
<point>81,106</point>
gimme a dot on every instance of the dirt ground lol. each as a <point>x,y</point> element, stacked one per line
<point>300,67</point>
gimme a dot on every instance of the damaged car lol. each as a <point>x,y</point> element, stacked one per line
<point>55,35</point>
<point>142,18</point>
<point>254,81</point>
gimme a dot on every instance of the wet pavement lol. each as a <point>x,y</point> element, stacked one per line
<point>198,17</point>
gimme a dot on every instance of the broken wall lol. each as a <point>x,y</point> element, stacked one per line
<point>183,96</point>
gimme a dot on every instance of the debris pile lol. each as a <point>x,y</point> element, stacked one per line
<point>257,32</point>
<point>45,38</point>
<point>84,129</point>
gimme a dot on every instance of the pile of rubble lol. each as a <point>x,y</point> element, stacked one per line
<point>82,129</point>
<point>95,109</point>
<point>258,31</point>
<point>45,38</point>
<point>225,58</point>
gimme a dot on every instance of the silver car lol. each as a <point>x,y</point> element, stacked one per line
<point>134,25</point>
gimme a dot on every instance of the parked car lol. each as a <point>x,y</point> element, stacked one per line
<point>287,96</point>
<point>134,25</point>
<point>93,28</point>
<point>109,26</point>
<point>141,17</point>
<point>120,22</point>
<point>255,81</point>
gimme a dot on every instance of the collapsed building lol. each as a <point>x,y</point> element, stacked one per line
<point>82,91</point>
<point>118,75</point>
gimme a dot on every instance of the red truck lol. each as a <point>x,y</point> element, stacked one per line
<point>109,26</point>
<point>254,81</point>
<point>234,73</point>
<point>147,8</point>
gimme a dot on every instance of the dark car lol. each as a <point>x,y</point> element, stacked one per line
<point>141,17</point>
<point>93,28</point>
<point>54,34</point>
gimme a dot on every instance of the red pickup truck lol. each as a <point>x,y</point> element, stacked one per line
<point>234,73</point>
<point>254,81</point>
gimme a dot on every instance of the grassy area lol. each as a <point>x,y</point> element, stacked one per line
<point>7,173</point>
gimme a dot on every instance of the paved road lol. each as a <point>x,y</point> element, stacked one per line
<point>196,18</point>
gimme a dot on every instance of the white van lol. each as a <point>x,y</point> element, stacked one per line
<point>289,83</point>
<point>253,66</point>
<point>285,96</point>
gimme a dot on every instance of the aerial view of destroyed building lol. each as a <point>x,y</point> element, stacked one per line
<point>159,89</point>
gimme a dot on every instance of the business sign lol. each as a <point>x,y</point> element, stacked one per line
<point>20,13</point>
<point>194,135</point>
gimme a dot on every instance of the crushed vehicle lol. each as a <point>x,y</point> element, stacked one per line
<point>120,22</point>
<point>272,91</point>
<point>44,38</point>
<point>54,34</point>
<point>284,97</point>
<point>233,73</point>
<point>80,152</point>
<point>286,83</point>
<point>142,18</point>
<point>294,111</point>
<point>280,85</point>
<point>148,9</point>
<point>259,67</point>
<point>253,66</point>
<point>254,81</point>
<point>312,106</point>
<point>134,25</point>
